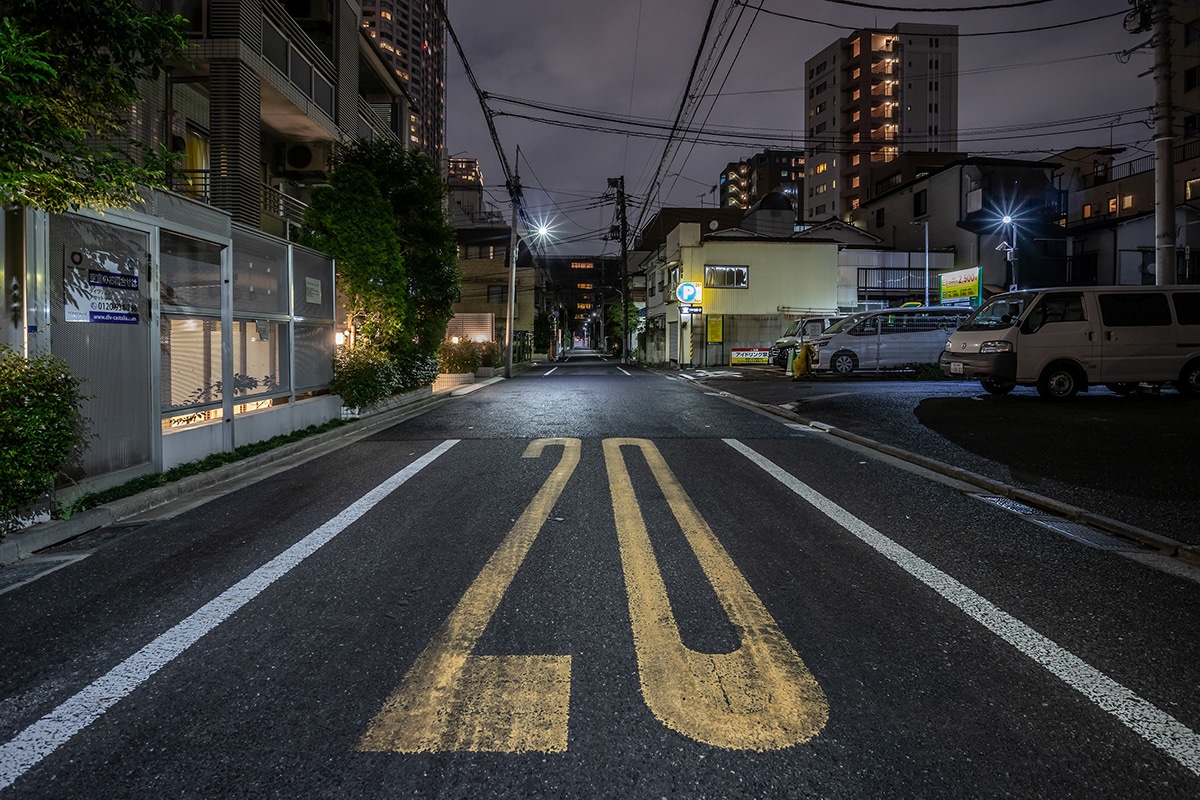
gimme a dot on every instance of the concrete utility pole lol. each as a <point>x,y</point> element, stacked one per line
<point>1164,150</point>
<point>514,189</point>
<point>624,270</point>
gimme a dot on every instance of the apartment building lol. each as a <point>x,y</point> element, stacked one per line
<point>196,322</point>
<point>744,183</point>
<point>412,36</point>
<point>871,96</point>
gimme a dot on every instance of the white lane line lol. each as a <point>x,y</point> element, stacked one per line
<point>1159,728</point>
<point>630,374</point>
<point>53,730</point>
<point>547,373</point>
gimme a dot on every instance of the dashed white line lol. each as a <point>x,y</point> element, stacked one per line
<point>1154,725</point>
<point>630,374</point>
<point>547,373</point>
<point>53,730</point>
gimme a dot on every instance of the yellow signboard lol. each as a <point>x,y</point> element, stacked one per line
<point>962,284</point>
<point>716,329</point>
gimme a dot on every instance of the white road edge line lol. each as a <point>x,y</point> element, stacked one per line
<point>1154,725</point>
<point>547,373</point>
<point>53,730</point>
<point>630,374</point>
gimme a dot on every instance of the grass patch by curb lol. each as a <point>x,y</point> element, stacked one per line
<point>206,464</point>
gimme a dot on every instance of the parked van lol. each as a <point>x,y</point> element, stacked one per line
<point>1064,340</point>
<point>890,338</point>
<point>797,333</point>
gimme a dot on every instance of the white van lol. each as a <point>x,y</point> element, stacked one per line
<point>797,333</point>
<point>1063,340</point>
<point>890,338</point>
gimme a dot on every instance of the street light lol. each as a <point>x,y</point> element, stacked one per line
<point>925,222</point>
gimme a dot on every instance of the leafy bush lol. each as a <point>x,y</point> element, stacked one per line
<point>366,375</point>
<point>493,354</point>
<point>928,372</point>
<point>462,356</point>
<point>41,430</point>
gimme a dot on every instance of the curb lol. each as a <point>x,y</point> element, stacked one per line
<point>1163,545</point>
<point>19,546</point>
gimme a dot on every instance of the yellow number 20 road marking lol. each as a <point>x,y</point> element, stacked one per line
<point>453,700</point>
<point>759,697</point>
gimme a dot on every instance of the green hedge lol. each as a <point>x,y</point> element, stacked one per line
<point>469,356</point>
<point>364,375</point>
<point>41,430</point>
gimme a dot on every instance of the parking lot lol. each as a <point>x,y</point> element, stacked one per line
<point>1130,458</point>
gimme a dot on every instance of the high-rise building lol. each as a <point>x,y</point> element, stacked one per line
<point>412,35</point>
<point>872,95</point>
<point>744,183</point>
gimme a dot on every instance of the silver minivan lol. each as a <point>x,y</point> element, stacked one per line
<point>1064,340</point>
<point>891,338</point>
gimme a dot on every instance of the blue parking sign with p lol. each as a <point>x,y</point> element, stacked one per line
<point>689,292</point>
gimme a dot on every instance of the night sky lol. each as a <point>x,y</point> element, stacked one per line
<point>603,63</point>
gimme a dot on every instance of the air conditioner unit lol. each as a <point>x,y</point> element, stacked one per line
<point>308,158</point>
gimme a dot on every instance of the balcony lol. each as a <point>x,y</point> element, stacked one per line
<point>281,213</point>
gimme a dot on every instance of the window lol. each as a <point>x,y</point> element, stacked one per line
<point>1193,189</point>
<point>1126,201</point>
<point>1065,307</point>
<point>1191,78</point>
<point>720,277</point>
<point>1112,205</point>
<point>1187,308</point>
<point>820,168</point>
<point>1088,211</point>
<point>920,203</point>
<point>584,286</point>
<point>1127,310</point>
<point>879,218</point>
<point>819,108</point>
<point>855,180</point>
<point>497,293</point>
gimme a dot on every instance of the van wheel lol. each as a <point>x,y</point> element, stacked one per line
<point>1123,389</point>
<point>996,387</point>
<point>1189,380</point>
<point>1059,381</point>
<point>843,362</point>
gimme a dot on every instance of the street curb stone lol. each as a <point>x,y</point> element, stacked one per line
<point>22,545</point>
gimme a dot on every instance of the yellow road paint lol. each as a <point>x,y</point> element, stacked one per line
<point>452,700</point>
<point>759,697</point>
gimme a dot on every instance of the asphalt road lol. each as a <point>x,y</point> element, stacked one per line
<point>598,581</point>
<point>1129,458</point>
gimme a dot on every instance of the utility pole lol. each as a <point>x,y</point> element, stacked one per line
<point>514,190</point>
<point>1155,15</point>
<point>1164,150</point>
<point>623,231</point>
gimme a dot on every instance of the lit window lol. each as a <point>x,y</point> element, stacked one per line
<point>1112,205</point>
<point>726,277</point>
<point>1127,202</point>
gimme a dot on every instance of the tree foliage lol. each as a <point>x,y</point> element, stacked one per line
<point>69,72</point>
<point>412,185</point>
<point>351,221</point>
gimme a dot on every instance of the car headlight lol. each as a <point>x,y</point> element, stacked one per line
<point>996,347</point>
<point>948,347</point>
